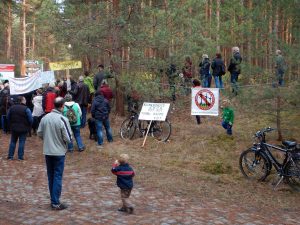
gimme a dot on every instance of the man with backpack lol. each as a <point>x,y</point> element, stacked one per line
<point>73,112</point>
<point>219,69</point>
<point>235,68</point>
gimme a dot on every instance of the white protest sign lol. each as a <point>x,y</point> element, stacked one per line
<point>154,111</point>
<point>27,84</point>
<point>205,101</point>
<point>7,71</point>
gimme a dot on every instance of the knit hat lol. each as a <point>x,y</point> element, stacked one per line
<point>235,49</point>
<point>204,56</point>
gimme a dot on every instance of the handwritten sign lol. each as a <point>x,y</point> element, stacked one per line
<point>65,65</point>
<point>154,111</point>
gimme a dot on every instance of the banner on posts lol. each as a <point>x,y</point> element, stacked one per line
<point>33,66</point>
<point>205,101</point>
<point>154,111</point>
<point>7,71</point>
<point>65,65</point>
<point>24,85</point>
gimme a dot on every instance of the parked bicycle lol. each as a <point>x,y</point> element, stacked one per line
<point>256,162</point>
<point>161,130</point>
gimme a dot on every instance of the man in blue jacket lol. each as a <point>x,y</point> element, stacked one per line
<point>100,112</point>
<point>20,119</point>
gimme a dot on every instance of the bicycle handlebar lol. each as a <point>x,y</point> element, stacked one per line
<point>263,131</point>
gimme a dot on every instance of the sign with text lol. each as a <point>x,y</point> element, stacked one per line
<point>66,65</point>
<point>33,66</point>
<point>205,101</point>
<point>154,111</point>
<point>7,71</point>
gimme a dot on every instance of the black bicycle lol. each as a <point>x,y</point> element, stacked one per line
<point>161,130</point>
<point>256,162</point>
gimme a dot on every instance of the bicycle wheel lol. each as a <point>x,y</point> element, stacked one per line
<point>127,129</point>
<point>292,172</point>
<point>254,165</point>
<point>161,130</point>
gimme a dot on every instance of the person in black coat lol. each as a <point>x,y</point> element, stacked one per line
<point>20,120</point>
<point>100,111</point>
<point>98,78</point>
<point>218,70</point>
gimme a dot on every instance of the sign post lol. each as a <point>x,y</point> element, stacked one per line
<point>153,112</point>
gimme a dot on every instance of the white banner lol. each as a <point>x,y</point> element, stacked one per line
<point>27,84</point>
<point>154,111</point>
<point>205,101</point>
<point>7,71</point>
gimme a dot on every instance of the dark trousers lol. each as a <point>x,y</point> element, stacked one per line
<point>13,142</point>
<point>227,127</point>
<point>198,119</point>
<point>55,168</point>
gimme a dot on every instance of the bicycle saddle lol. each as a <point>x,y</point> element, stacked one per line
<point>289,144</point>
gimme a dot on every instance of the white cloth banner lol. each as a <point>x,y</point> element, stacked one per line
<point>27,84</point>
<point>205,101</point>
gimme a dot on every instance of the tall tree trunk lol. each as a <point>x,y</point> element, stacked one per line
<point>8,29</point>
<point>218,25</point>
<point>120,110</point>
<point>278,115</point>
<point>23,35</point>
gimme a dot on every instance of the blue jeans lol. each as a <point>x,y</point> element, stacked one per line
<point>83,116</point>
<point>107,129</point>
<point>234,76</point>
<point>227,127</point>
<point>55,169</point>
<point>279,74</point>
<point>76,132</point>
<point>13,142</point>
<point>218,82</point>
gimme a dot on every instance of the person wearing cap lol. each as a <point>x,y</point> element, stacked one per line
<point>82,97</point>
<point>280,67</point>
<point>55,131</point>
<point>100,112</point>
<point>235,68</point>
<point>204,66</point>
<point>20,119</point>
<point>69,104</point>
<point>48,98</point>
<point>227,116</point>
<point>98,78</point>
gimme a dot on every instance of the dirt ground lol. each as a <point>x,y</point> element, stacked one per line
<point>197,167</point>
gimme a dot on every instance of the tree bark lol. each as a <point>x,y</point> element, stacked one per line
<point>278,115</point>
<point>23,35</point>
<point>8,30</point>
<point>218,25</point>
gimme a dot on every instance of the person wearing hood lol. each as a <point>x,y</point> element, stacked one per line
<point>20,119</point>
<point>100,112</point>
<point>205,75</point>
<point>48,98</point>
<point>235,68</point>
<point>73,112</point>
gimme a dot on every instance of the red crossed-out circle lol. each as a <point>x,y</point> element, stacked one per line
<point>205,99</point>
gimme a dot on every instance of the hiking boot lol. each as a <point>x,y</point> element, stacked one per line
<point>100,146</point>
<point>59,206</point>
<point>10,158</point>
<point>122,209</point>
<point>130,210</point>
<point>81,149</point>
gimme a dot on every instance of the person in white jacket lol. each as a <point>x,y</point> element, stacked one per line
<point>38,111</point>
<point>55,131</point>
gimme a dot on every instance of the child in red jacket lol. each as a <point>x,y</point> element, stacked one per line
<point>124,174</point>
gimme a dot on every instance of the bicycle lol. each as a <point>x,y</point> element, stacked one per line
<point>257,161</point>
<point>160,130</point>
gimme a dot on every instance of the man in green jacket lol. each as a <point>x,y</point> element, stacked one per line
<point>88,80</point>
<point>227,117</point>
<point>280,67</point>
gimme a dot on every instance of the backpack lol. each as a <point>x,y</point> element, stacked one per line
<point>71,115</point>
<point>223,69</point>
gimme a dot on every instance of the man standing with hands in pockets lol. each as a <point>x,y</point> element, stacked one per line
<point>55,131</point>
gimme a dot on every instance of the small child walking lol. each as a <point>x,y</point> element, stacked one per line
<point>227,116</point>
<point>124,174</point>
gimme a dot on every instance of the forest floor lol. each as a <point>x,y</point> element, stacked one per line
<point>192,179</point>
